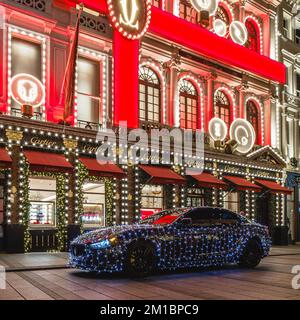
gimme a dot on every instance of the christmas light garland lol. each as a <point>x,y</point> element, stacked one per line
<point>176,246</point>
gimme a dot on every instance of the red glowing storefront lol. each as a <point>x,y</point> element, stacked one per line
<point>172,70</point>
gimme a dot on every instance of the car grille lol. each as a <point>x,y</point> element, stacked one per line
<point>78,250</point>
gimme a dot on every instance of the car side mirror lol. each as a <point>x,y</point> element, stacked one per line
<point>186,221</point>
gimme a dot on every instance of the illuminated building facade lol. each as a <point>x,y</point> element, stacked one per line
<point>166,66</point>
<point>289,103</point>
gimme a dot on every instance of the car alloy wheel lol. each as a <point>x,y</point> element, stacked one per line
<point>141,259</point>
<point>252,255</point>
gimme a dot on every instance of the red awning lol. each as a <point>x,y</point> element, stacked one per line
<point>160,175</point>
<point>102,170</point>
<point>47,162</point>
<point>273,186</point>
<point>209,181</point>
<point>5,159</point>
<point>242,184</point>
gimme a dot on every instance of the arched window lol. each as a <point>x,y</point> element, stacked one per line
<point>187,12</point>
<point>222,14</point>
<point>149,95</point>
<point>188,105</point>
<point>252,116</point>
<point>222,107</point>
<point>253,36</point>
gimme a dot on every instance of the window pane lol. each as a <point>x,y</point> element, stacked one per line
<point>93,204</point>
<point>42,197</point>
<point>26,58</point>
<point>88,84</point>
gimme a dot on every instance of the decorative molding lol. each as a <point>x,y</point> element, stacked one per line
<point>39,5</point>
<point>14,135</point>
<point>70,144</point>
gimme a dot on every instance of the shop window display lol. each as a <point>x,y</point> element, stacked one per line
<point>231,201</point>
<point>42,197</point>
<point>195,197</point>
<point>93,205</point>
<point>152,200</point>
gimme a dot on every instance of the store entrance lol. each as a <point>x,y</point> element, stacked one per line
<point>263,209</point>
<point>42,220</point>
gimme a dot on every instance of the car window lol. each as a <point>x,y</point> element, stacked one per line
<point>228,216</point>
<point>200,216</point>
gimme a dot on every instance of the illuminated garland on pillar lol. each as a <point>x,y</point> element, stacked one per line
<point>137,195</point>
<point>61,212</point>
<point>81,175</point>
<point>109,198</point>
<point>26,207</point>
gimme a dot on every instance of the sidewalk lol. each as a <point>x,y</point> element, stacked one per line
<point>43,261</point>
<point>33,261</point>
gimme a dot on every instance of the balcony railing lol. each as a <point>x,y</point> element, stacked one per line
<point>15,112</point>
<point>147,125</point>
<point>89,125</point>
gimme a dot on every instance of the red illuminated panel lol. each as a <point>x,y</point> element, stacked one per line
<point>126,77</point>
<point>208,44</point>
<point>204,42</point>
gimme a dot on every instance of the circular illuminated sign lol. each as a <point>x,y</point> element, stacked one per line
<point>130,17</point>
<point>220,27</point>
<point>27,90</point>
<point>238,32</point>
<point>243,133</point>
<point>206,5</point>
<point>217,129</point>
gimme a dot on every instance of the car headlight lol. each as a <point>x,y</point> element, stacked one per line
<point>104,244</point>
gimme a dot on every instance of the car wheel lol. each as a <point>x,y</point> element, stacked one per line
<point>140,259</point>
<point>252,255</point>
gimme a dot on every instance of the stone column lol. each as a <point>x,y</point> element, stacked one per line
<point>242,89</point>
<point>172,68</point>
<point>14,231</point>
<point>73,228</point>
<point>283,135</point>
<point>131,193</point>
<point>209,112</point>
<point>296,139</point>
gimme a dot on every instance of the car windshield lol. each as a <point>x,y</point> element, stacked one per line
<point>164,217</point>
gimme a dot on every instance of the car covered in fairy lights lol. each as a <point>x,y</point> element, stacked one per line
<point>173,239</point>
